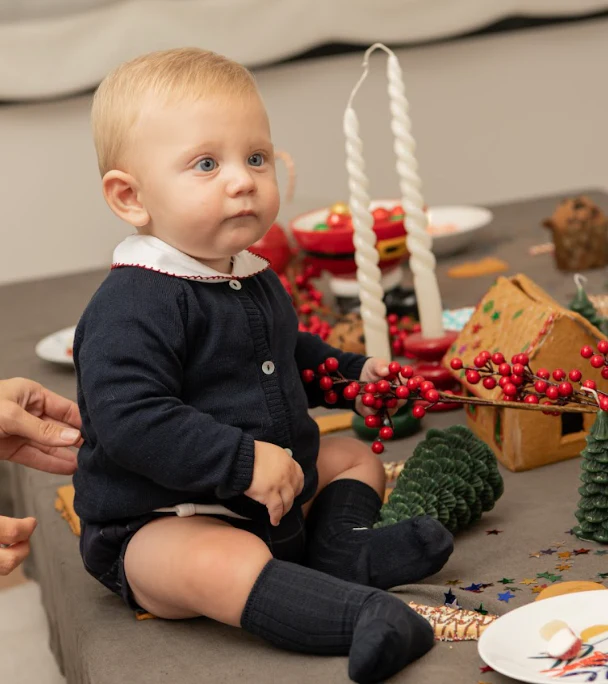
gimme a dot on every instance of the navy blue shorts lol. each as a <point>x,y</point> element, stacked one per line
<point>103,546</point>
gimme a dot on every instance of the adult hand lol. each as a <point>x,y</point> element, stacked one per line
<point>37,427</point>
<point>14,542</point>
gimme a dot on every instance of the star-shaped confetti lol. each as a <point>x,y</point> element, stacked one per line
<point>450,599</point>
<point>539,588</point>
<point>481,610</point>
<point>476,588</point>
<point>527,581</point>
<point>564,554</point>
<point>549,576</point>
<point>485,668</point>
<point>547,552</point>
<point>581,552</point>
<point>493,531</point>
<point>534,555</point>
<point>563,566</point>
<point>603,552</point>
<point>485,586</point>
<point>506,596</point>
<point>506,580</point>
<point>514,588</point>
<point>570,531</point>
<point>558,545</point>
<point>453,583</point>
<point>603,575</point>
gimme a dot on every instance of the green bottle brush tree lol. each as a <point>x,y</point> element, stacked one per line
<point>592,513</point>
<point>452,476</point>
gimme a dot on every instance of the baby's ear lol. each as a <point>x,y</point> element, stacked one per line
<point>122,195</point>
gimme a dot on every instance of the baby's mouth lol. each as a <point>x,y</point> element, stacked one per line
<point>243,214</point>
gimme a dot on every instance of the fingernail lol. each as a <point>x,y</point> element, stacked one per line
<point>69,435</point>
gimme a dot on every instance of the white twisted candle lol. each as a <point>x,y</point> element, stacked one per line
<point>419,241</point>
<point>373,309</point>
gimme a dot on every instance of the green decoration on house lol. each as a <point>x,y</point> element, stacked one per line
<point>582,305</point>
<point>592,513</point>
<point>452,476</point>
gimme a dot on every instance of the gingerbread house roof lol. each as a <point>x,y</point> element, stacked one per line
<point>515,316</point>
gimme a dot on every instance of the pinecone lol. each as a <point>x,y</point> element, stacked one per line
<point>452,476</point>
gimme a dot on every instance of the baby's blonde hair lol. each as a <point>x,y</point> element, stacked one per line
<point>167,75</point>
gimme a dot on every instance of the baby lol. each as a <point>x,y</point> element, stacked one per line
<point>203,487</point>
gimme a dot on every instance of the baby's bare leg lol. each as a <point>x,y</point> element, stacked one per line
<point>345,458</point>
<point>340,519</point>
<point>186,567</point>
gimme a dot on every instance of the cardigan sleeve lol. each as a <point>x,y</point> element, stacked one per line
<point>311,351</point>
<point>129,351</point>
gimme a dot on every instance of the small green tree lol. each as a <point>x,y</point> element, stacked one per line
<point>452,476</point>
<point>592,513</point>
<point>582,305</point>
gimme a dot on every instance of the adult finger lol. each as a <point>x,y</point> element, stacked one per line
<point>16,421</point>
<point>57,460</point>
<point>12,556</point>
<point>15,530</point>
<point>61,409</point>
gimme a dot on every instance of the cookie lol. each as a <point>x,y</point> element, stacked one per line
<point>474,269</point>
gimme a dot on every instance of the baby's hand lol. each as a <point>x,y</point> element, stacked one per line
<point>373,370</point>
<point>277,480</point>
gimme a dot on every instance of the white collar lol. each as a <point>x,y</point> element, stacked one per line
<point>146,251</point>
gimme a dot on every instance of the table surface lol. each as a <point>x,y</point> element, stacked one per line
<point>534,513</point>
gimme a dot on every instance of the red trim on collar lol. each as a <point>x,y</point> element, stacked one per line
<point>197,277</point>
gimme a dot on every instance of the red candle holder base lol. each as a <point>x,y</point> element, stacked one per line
<point>428,352</point>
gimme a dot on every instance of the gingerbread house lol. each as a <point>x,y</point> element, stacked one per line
<point>516,316</point>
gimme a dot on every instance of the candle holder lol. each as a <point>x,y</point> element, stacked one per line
<point>428,352</point>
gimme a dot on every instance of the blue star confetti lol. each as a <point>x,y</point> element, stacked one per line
<point>476,588</point>
<point>505,596</point>
<point>450,599</point>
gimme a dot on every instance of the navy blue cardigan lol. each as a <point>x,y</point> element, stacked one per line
<point>177,378</point>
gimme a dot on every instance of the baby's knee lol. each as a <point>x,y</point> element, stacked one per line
<point>349,453</point>
<point>236,559</point>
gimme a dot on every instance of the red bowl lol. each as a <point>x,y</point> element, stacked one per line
<point>333,249</point>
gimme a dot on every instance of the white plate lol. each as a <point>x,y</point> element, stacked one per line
<point>454,228</point>
<point>514,647</point>
<point>57,347</point>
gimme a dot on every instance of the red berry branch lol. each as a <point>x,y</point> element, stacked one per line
<point>522,387</point>
<point>383,395</point>
<point>519,383</point>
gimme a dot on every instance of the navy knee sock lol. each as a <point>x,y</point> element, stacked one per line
<point>342,543</point>
<point>303,610</point>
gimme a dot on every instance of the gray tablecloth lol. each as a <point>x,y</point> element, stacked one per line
<point>98,641</point>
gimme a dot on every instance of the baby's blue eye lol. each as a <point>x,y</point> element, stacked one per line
<point>206,164</point>
<point>256,159</point>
